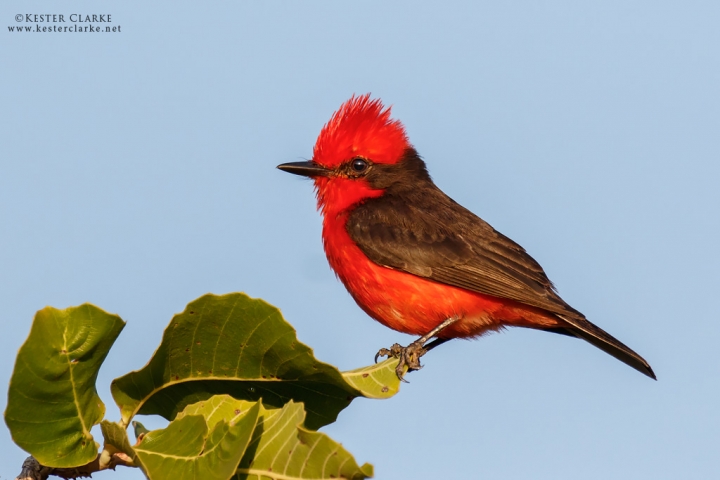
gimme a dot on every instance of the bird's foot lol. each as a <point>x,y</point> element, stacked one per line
<point>409,357</point>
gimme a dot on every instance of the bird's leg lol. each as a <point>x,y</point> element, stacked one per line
<point>410,356</point>
<point>436,343</point>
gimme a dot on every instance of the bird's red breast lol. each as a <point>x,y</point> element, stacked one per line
<point>409,304</point>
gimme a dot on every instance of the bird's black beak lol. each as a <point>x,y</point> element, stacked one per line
<point>308,169</point>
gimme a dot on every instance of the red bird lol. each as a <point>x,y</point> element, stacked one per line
<point>415,260</point>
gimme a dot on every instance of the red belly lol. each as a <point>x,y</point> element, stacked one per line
<point>411,304</point>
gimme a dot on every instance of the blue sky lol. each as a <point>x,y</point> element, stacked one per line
<point>137,172</point>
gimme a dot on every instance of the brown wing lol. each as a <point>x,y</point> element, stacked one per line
<point>434,237</point>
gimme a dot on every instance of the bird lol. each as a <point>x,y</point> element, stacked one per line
<point>414,259</point>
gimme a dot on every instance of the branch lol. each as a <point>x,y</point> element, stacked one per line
<point>33,470</point>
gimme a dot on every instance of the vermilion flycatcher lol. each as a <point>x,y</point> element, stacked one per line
<point>415,260</point>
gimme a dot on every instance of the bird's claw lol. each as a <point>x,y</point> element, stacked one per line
<point>383,352</point>
<point>409,357</point>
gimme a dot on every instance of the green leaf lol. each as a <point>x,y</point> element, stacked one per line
<point>375,381</point>
<point>116,439</point>
<point>139,429</point>
<point>52,400</point>
<point>282,449</point>
<point>233,344</point>
<point>219,407</point>
<point>191,447</point>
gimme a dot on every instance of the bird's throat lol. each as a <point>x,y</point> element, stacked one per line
<point>338,194</point>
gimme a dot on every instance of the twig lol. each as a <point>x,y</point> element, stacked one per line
<point>33,470</point>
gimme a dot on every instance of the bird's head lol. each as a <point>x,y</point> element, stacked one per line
<point>359,154</point>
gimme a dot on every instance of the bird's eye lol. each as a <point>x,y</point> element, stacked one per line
<point>359,165</point>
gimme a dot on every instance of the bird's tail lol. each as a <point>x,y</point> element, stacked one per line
<point>581,328</point>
